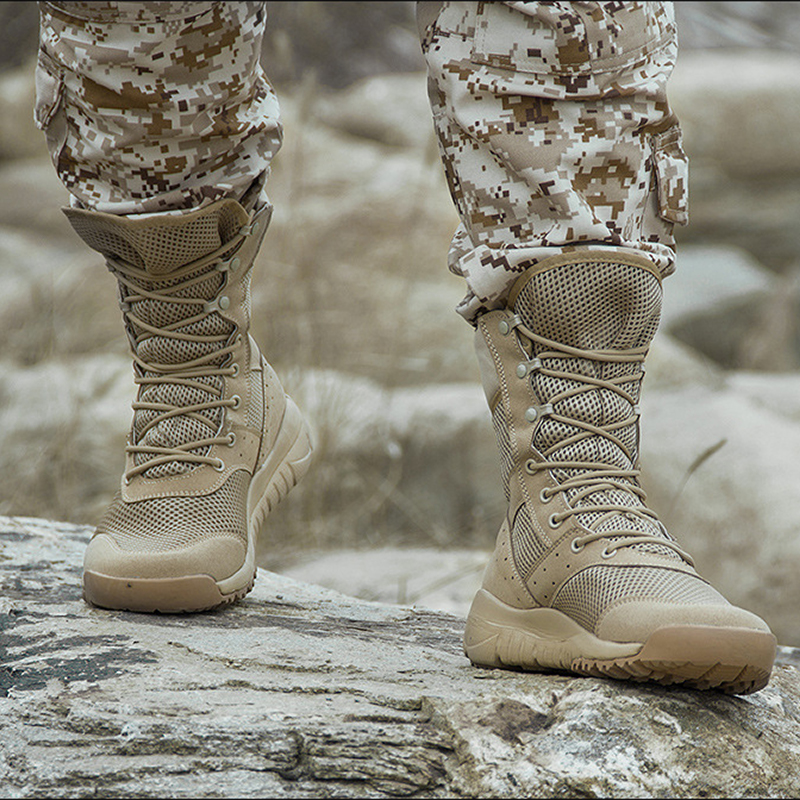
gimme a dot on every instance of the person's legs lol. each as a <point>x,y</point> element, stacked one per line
<point>564,162</point>
<point>161,125</point>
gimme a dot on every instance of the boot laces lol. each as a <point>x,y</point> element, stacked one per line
<point>604,498</point>
<point>182,350</point>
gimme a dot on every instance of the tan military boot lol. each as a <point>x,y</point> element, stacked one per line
<point>584,576</point>
<point>215,442</point>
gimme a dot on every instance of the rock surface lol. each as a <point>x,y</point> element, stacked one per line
<point>303,692</point>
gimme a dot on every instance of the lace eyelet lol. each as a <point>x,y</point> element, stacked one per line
<point>231,439</point>
<point>553,522</point>
<point>545,496</point>
<point>235,371</point>
<point>606,554</point>
<point>529,466</point>
<point>220,466</point>
<point>575,547</point>
<point>236,402</point>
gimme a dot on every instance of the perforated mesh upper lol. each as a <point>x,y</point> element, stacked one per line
<point>526,546</point>
<point>587,595</point>
<point>604,306</point>
<point>160,246</point>
<point>171,523</point>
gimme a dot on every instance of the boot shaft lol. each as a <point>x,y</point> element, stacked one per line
<point>562,368</point>
<point>184,287</point>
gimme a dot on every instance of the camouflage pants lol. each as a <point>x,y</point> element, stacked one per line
<point>552,119</point>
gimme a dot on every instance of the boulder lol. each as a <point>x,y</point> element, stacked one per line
<point>740,109</point>
<point>392,109</point>
<point>426,577</point>
<point>19,137</point>
<point>724,304</point>
<point>301,691</point>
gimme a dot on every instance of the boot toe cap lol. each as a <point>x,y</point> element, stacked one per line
<point>635,620</point>
<point>218,557</point>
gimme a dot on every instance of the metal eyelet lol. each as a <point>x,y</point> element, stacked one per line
<point>231,439</point>
<point>235,371</point>
<point>575,547</point>
<point>220,467</point>
<point>237,402</point>
<point>553,522</point>
<point>606,554</point>
<point>529,466</point>
<point>545,496</point>
<point>525,368</point>
<point>503,327</point>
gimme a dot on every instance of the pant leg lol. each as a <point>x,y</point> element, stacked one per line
<point>555,133</point>
<point>152,107</point>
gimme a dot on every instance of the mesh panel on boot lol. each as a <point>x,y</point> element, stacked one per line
<point>592,306</point>
<point>595,306</point>
<point>171,523</point>
<point>526,546</point>
<point>588,594</point>
<point>159,246</point>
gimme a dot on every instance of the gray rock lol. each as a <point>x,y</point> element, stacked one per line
<point>441,580</point>
<point>62,433</point>
<point>711,277</point>
<point>739,112</point>
<point>740,109</point>
<point>303,692</point>
<point>724,304</point>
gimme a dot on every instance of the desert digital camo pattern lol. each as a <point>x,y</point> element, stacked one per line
<point>553,121</point>
<point>555,133</point>
<point>159,106</point>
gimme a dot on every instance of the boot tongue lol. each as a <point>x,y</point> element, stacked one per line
<point>162,243</point>
<point>159,246</point>
<point>593,306</point>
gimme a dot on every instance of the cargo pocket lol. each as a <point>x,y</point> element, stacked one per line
<point>572,49</point>
<point>671,169</point>
<point>48,113</point>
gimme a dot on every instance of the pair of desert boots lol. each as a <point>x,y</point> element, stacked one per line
<point>584,576</point>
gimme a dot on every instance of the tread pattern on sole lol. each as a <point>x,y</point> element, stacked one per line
<point>495,643</point>
<point>730,679</point>
<point>516,651</point>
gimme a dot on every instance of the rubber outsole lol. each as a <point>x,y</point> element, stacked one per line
<point>285,466</point>
<point>731,660</point>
